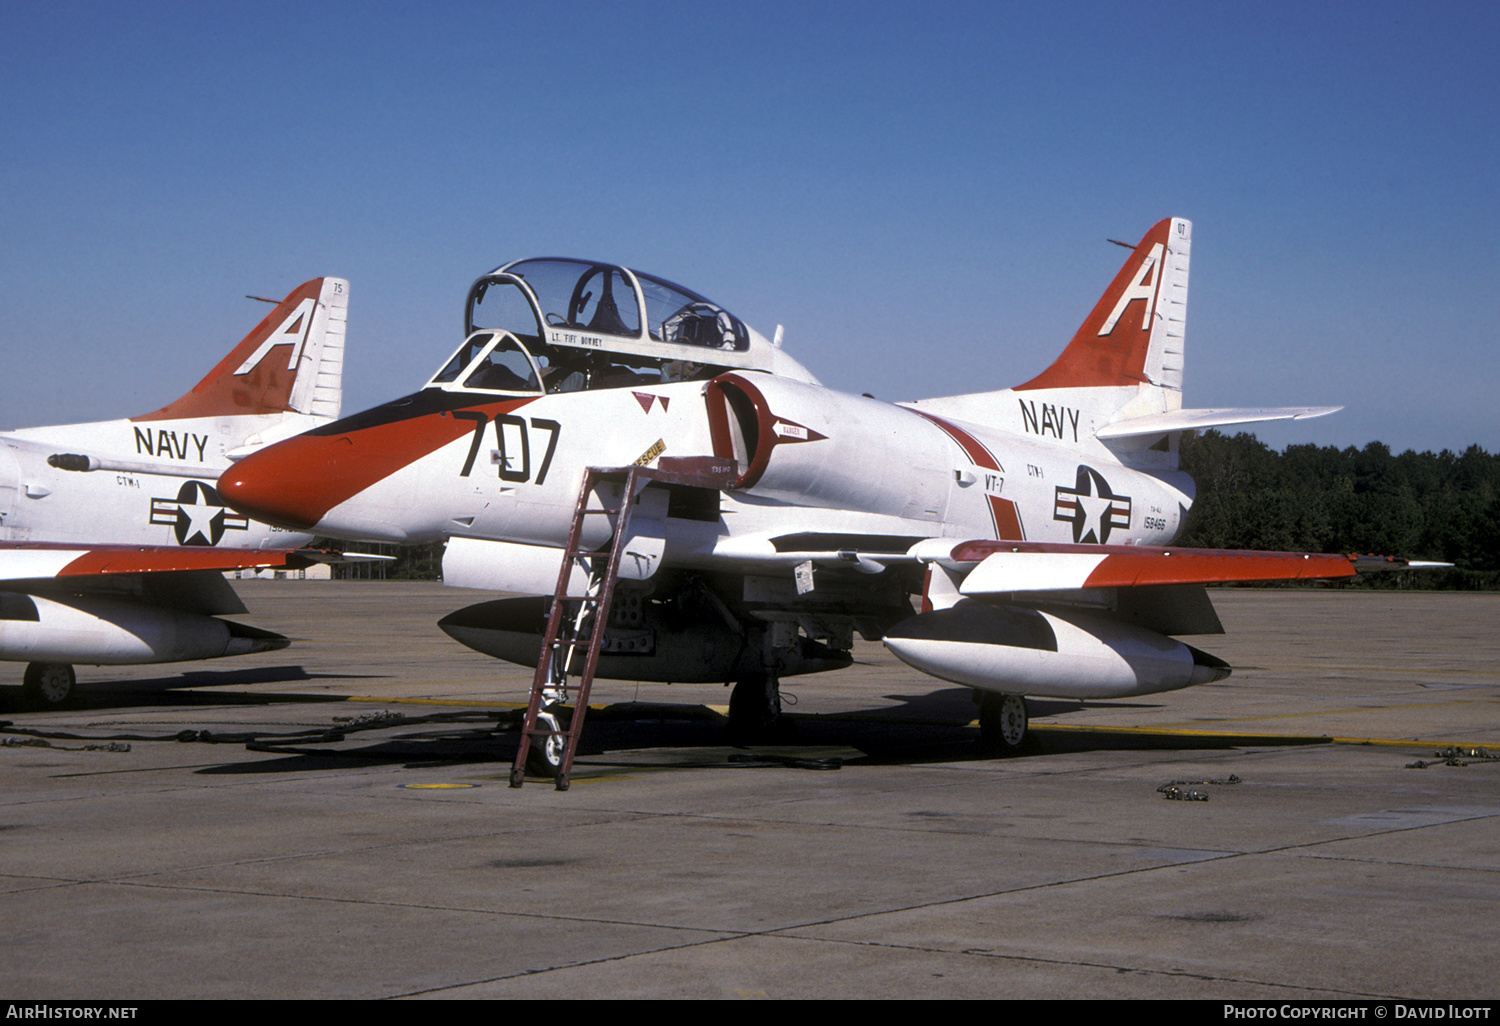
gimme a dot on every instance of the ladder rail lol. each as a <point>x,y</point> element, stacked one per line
<point>546,669</point>
<point>560,643</point>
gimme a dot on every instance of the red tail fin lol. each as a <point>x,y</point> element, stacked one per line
<point>302,338</point>
<point>1134,335</point>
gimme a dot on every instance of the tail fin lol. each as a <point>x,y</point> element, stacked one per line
<point>1134,336</point>
<point>1120,380</point>
<point>292,362</point>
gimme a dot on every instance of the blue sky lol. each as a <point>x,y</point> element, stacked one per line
<point>920,193</point>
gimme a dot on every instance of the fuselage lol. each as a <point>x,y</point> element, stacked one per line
<point>570,364</point>
<point>443,463</point>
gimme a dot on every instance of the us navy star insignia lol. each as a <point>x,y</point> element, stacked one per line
<point>1092,508</point>
<point>197,515</point>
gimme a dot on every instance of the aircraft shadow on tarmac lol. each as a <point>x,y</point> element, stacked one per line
<point>148,692</point>
<point>640,737</point>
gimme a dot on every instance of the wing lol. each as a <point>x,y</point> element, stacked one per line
<point>113,605</point>
<point>1085,621</point>
<point>992,568</point>
<point>75,565</point>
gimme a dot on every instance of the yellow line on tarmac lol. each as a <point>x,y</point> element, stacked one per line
<point>434,701</point>
<point>1362,710</point>
<point>1251,738</point>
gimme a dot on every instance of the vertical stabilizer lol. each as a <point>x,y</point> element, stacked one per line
<point>1123,364</point>
<point>1134,336</point>
<point>291,363</point>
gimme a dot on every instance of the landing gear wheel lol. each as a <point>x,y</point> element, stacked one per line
<point>754,708</point>
<point>48,685</point>
<point>546,754</point>
<point>1002,723</point>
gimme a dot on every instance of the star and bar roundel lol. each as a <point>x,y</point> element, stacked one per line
<point>197,515</point>
<point>1092,508</point>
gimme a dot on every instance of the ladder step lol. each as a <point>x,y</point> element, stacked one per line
<point>575,643</point>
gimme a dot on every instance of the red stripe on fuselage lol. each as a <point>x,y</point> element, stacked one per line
<point>1003,512</point>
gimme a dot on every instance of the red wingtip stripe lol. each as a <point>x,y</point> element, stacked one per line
<point>1129,566</point>
<point>158,560</point>
<point>1137,569</point>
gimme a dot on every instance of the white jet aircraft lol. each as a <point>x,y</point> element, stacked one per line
<point>113,539</point>
<point>1033,523</point>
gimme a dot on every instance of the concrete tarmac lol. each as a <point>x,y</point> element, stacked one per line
<point>875,855</point>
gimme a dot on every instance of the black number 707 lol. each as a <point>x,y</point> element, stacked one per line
<point>506,455</point>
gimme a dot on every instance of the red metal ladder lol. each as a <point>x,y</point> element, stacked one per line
<point>577,623</point>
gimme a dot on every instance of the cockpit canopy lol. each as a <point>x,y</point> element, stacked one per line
<point>563,325</point>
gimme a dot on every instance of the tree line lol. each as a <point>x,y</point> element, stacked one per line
<point>1443,506</point>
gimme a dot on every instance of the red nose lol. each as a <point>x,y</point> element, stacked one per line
<point>292,483</point>
<point>297,482</point>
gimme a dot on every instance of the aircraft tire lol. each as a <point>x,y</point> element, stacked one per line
<point>544,759</point>
<point>48,685</point>
<point>1003,723</point>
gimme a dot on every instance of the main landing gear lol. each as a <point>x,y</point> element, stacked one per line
<point>48,685</point>
<point>1002,723</point>
<point>755,702</point>
<point>754,708</point>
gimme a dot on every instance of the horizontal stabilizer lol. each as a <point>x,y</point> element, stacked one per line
<point>1193,420</point>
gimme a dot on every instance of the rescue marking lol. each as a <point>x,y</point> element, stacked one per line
<point>651,453</point>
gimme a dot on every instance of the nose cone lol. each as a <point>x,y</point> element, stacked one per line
<point>290,484</point>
